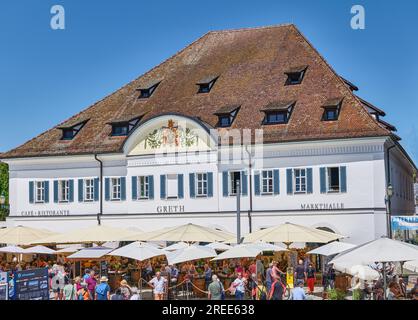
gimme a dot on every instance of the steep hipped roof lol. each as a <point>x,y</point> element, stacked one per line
<point>251,65</point>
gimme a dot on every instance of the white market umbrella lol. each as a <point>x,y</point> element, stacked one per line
<point>332,248</point>
<point>411,265</point>
<point>70,249</point>
<point>21,235</point>
<point>187,233</point>
<point>176,246</point>
<point>138,251</point>
<point>192,252</point>
<point>289,233</point>
<point>219,246</point>
<point>40,250</point>
<point>240,251</point>
<point>12,249</point>
<point>360,271</point>
<point>265,246</point>
<point>90,253</point>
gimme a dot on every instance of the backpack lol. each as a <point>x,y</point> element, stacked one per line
<point>101,289</point>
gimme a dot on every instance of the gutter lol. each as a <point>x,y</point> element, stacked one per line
<point>388,183</point>
<point>100,213</point>
<point>250,224</point>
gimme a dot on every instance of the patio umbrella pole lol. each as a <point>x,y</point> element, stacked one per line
<point>384,281</point>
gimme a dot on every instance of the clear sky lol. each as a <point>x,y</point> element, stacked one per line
<point>48,75</point>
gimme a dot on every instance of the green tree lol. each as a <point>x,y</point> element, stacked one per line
<point>4,188</point>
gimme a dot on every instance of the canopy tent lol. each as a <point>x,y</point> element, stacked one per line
<point>332,248</point>
<point>69,249</point>
<point>137,250</point>
<point>40,250</point>
<point>95,234</point>
<point>289,233</point>
<point>21,235</point>
<point>219,246</point>
<point>192,252</point>
<point>240,251</point>
<point>90,253</point>
<point>176,246</point>
<point>187,233</point>
<point>12,249</point>
<point>411,265</point>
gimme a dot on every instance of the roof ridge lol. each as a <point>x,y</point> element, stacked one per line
<point>273,26</point>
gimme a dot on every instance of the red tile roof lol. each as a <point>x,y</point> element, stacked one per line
<point>251,65</point>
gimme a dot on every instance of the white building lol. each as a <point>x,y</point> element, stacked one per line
<point>156,153</point>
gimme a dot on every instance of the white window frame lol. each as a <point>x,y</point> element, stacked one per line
<point>39,187</point>
<point>329,190</point>
<point>231,187</point>
<point>301,178</point>
<point>115,189</point>
<point>63,191</point>
<point>143,181</point>
<point>167,189</point>
<point>201,181</point>
<point>88,190</point>
<point>270,177</point>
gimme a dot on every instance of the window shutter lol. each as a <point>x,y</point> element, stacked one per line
<point>276,182</point>
<point>343,179</point>
<point>55,191</point>
<point>323,180</point>
<point>180,186</point>
<point>96,189</point>
<point>289,178</point>
<point>192,185</point>
<point>71,190</point>
<point>80,190</point>
<point>107,189</point>
<point>210,184</point>
<point>162,186</point>
<point>244,183</point>
<point>309,187</point>
<point>31,191</point>
<point>257,190</point>
<point>225,183</point>
<point>134,188</point>
<point>151,187</point>
<point>123,188</point>
<point>46,186</point>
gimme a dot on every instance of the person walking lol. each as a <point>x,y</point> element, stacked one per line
<point>135,294</point>
<point>239,287</point>
<point>158,284</point>
<point>208,275</point>
<point>84,293</point>
<point>103,289</point>
<point>117,295</point>
<point>125,289</point>
<point>311,276</point>
<point>277,290</point>
<point>331,276</point>
<point>69,291</point>
<point>215,289</point>
<point>300,273</point>
<point>298,293</point>
<point>91,284</point>
<point>269,279</point>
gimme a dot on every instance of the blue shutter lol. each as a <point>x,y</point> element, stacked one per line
<point>343,179</point>
<point>323,180</point>
<point>55,191</point>
<point>257,190</point>
<point>31,191</point>
<point>276,182</point>
<point>123,188</point>
<point>151,187</point>
<point>244,183</point>
<point>107,189</point>
<point>225,183</point>
<point>210,184</point>
<point>192,185</point>
<point>180,189</point>
<point>134,188</point>
<point>46,186</point>
<point>80,190</point>
<point>289,181</point>
<point>96,189</point>
<point>309,187</point>
<point>162,186</point>
<point>71,191</point>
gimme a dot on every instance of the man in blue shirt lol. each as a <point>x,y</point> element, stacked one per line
<point>298,293</point>
<point>103,290</point>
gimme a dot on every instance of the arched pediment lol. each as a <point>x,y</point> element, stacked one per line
<point>169,133</point>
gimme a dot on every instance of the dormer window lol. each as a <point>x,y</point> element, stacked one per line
<point>295,75</point>
<point>206,84</point>
<point>332,109</point>
<point>278,112</point>
<point>123,126</point>
<point>226,115</point>
<point>69,131</point>
<point>147,90</point>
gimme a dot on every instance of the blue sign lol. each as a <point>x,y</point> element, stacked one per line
<point>31,284</point>
<point>405,223</point>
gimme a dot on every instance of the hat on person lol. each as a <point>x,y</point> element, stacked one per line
<point>104,279</point>
<point>299,282</point>
<point>123,283</point>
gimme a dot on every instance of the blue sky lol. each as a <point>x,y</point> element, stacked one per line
<point>48,75</point>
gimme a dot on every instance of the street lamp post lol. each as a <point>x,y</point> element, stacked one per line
<point>389,194</point>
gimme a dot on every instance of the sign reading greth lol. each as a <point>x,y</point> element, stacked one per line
<point>170,209</point>
<point>45,213</point>
<point>322,206</point>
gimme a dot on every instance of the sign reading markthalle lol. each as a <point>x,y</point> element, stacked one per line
<point>31,284</point>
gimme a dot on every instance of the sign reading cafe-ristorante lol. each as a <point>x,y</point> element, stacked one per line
<point>41,213</point>
<point>322,206</point>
